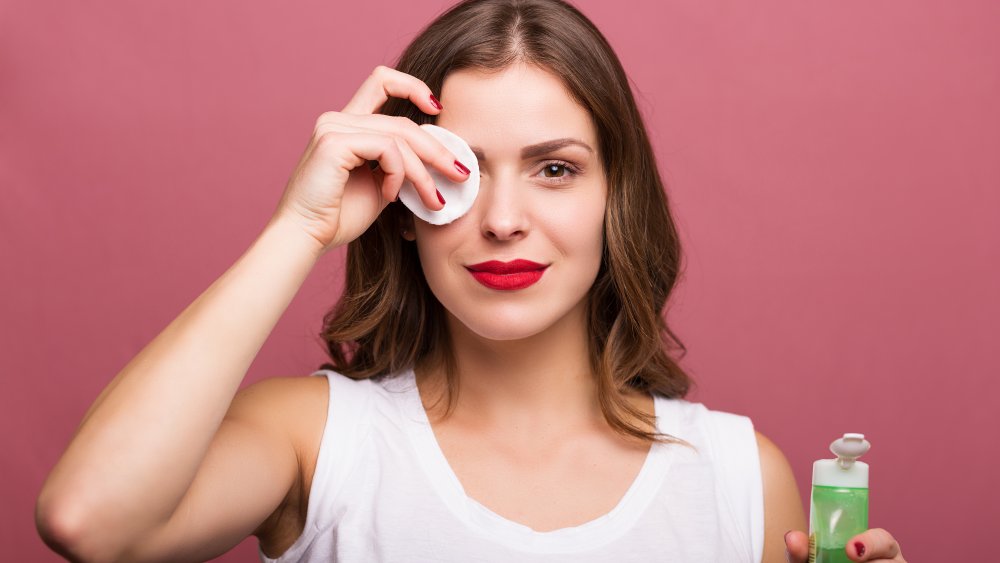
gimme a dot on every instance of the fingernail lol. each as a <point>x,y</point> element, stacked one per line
<point>440,197</point>
<point>860,548</point>
<point>461,168</point>
<point>786,535</point>
<point>435,102</point>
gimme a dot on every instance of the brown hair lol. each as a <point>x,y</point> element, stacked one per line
<point>388,320</point>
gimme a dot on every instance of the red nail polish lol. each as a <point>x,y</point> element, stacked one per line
<point>860,548</point>
<point>435,102</point>
<point>440,197</point>
<point>461,167</point>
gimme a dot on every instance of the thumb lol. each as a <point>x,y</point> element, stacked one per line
<point>796,546</point>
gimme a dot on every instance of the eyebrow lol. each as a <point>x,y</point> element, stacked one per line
<point>539,149</point>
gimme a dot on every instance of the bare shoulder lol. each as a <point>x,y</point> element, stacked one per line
<point>297,407</point>
<point>280,397</point>
<point>776,472</point>
<point>783,510</point>
<point>770,454</point>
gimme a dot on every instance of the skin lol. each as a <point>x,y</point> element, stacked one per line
<point>196,446</point>
<point>528,410</point>
<point>520,353</point>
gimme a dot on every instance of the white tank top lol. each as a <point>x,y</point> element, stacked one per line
<point>383,491</point>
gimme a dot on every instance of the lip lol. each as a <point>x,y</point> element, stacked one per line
<point>507,276</point>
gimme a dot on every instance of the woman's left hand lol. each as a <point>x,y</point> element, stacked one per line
<point>875,545</point>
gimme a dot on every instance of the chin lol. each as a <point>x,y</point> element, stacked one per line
<point>506,324</point>
<point>501,334</point>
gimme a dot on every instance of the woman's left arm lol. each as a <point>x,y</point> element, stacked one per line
<point>784,517</point>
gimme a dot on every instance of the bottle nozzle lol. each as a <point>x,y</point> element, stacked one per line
<point>849,448</point>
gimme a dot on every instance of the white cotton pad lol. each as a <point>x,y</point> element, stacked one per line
<point>458,196</point>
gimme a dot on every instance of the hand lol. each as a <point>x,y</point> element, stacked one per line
<point>875,545</point>
<point>333,195</point>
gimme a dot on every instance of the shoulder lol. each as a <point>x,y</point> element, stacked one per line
<point>776,472</point>
<point>783,509</point>
<point>303,407</point>
<point>295,406</point>
<point>772,459</point>
<point>715,433</point>
<point>293,411</point>
<point>288,400</point>
<point>726,445</point>
<point>771,495</point>
<point>274,396</point>
<point>781,491</point>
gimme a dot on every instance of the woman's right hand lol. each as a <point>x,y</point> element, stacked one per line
<point>333,194</point>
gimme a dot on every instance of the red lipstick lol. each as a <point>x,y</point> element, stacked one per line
<point>513,275</point>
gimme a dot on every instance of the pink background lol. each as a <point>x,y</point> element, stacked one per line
<point>833,166</point>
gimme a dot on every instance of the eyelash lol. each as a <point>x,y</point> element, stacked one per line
<point>568,168</point>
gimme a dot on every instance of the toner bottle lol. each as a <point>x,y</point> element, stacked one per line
<point>838,506</point>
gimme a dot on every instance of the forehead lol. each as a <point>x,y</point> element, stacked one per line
<point>518,106</point>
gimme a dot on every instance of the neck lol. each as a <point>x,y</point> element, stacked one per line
<point>541,382</point>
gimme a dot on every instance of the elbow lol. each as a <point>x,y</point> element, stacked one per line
<point>59,529</point>
<point>65,528</point>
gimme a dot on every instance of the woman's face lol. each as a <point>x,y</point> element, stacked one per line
<point>542,198</point>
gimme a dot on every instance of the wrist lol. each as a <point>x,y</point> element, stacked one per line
<point>291,235</point>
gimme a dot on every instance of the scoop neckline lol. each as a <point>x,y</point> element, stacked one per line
<point>489,524</point>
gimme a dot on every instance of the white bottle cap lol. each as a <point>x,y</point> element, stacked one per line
<point>845,471</point>
<point>458,196</point>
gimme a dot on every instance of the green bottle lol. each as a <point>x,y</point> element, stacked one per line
<point>838,506</point>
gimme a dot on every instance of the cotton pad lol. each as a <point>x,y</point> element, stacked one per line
<point>458,196</point>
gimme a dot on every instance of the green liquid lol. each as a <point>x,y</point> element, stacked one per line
<point>836,514</point>
<point>831,555</point>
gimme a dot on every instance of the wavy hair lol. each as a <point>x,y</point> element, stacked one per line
<point>387,319</point>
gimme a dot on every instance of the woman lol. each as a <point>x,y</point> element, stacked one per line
<point>505,391</point>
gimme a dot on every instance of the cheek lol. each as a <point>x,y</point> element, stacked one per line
<point>434,246</point>
<point>576,225</point>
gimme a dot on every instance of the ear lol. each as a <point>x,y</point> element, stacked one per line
<point>406,229</point>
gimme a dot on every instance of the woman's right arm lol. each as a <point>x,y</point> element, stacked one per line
<point>165,464</point>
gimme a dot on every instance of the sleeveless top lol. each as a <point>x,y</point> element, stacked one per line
<point>383,491</point>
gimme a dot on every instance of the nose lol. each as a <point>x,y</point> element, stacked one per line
<point>504,212</point>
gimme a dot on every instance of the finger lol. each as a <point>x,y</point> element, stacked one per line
<point>390,173</point>
<point>872,544</point>
<point>398,129</point>
<point>385,82</point>
<point>417,173</point>
<point>796,547</point>
<point>366,147</point>
<point>426,146</point>
<point>390,184</point>
<point>379,177</point>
